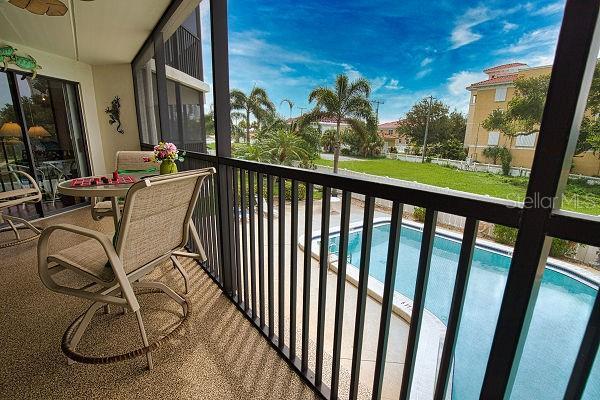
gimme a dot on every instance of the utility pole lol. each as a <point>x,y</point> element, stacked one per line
<point>302,110</point>
<point>427,128</point>
<point>377,103</point>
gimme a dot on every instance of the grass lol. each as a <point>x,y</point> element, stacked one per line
<point>579,196</point>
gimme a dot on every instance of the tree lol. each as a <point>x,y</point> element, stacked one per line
<point>278,144</point>
<point>328,140</point>
<point>364,142</point>
<point>257,103</point>
<point>346,101</point>
<point>443,124</point>
<point>452,148</point>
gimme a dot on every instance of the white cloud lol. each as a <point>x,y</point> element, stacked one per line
<point>426,61</point>
<point>285,68</point>
<point>509,26</point>
<point>550,9</point>
<point>462,34</point>
<point>422,73</point>
<point>537,40</point>
<point>457,95</point>
<point>393,84</point>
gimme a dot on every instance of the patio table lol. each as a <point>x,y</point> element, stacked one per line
<point>111,191</point>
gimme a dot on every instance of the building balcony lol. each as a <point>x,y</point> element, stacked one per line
<point>315,285</point>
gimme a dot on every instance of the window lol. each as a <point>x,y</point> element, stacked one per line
<point>526,140</point>
<point>500,94</point>
<point>390,131</point>
<point>474,99</point>
<point>493,138</point>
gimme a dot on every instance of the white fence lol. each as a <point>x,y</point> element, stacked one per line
<point>481,167</point>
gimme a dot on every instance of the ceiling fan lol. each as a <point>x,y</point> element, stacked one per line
<point>52,8</point>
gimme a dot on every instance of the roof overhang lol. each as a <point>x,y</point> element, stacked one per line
<point>94,32</point>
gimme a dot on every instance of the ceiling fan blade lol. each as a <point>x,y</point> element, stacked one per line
<point>51,8</point>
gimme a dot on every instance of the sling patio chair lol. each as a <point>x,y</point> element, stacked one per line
<point>156,222</point>
<point>126,162</point>
<point>20,189</point>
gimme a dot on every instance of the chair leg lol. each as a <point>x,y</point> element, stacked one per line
<point>14,228</point>
<point>183,273</point>
<point>89,314</point>
<point>138,315</point>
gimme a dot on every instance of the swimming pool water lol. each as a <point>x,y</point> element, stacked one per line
<point>559,319</point>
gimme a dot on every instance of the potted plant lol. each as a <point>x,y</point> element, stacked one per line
<point>166,154</point>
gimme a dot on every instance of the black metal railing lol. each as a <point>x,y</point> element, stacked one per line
<point>183,52</point>
<point>280,306</point>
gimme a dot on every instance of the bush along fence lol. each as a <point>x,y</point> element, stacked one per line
<point>581,253</point>
<point>481,167</point>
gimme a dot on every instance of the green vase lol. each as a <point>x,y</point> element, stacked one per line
<point>168,167</point>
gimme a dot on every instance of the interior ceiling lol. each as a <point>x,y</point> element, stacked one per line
<point>95,32</point>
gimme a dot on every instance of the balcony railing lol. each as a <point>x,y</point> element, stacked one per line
<point>254,247</point>
<point>183,52</point>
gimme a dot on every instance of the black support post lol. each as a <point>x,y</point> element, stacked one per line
<point>570,82</point>
<point>220,58</point>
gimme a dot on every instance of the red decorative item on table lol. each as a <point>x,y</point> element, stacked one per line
<point>102,180</point>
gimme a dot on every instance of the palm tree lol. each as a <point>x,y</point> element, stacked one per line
<point>346,102</point>
<point>290,104</point>
<point>256,103</point>
<point>284,147</point>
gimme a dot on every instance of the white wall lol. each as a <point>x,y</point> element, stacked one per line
<point>110,81</point>
<point>65,68</point>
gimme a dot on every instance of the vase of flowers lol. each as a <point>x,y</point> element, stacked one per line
<point>166,154</point>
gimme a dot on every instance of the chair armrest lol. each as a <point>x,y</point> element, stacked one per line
<point>113,258</point>
<point>26,175</point>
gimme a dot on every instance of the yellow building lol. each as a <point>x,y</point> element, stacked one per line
<point>495,93</point>
<point>391,138</point>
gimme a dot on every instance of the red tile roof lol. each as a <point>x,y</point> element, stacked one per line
<point>389,125</point>
<point>504,66</point>
<point>494,81</point>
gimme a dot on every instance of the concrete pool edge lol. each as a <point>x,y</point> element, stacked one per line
<point>434,328</point>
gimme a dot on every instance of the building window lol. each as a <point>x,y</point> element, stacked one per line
<point>500,94</point>
<point>390,131</point>
<point>526,140</point>
<point>493,138</point>
<point>474,99</point>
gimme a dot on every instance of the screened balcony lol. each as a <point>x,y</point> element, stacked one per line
<point>290,302</point>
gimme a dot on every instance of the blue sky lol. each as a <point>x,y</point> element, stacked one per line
<point>407,49</point>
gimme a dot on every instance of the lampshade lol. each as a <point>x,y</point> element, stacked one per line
<point>13,141</point>
<point>38,131</point>
<point>10,129</point>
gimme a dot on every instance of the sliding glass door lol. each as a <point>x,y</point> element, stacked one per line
<point>41,132</point>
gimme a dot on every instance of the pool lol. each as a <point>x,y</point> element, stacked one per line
<point>559,319</point>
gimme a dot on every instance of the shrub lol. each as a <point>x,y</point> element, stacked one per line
<point>562,248</point>
<point>419,214</point>
<point>504,234</point>
<point>505,159</point>
<point>559,248</point>
<point>288,191</point>
<point>502,153</point>
<point>393,149</point>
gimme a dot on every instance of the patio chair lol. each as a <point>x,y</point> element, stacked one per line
<point>125,162</point>
<point>23,189</point>
<point>154,228</point>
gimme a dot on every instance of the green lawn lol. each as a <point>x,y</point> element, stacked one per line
<point>578,197</point>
